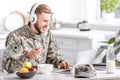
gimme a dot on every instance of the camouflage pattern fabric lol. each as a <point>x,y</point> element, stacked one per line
<point>22,40</point>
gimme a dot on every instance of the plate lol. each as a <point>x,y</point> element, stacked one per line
<point>63,71</point>
<point>14,20</point>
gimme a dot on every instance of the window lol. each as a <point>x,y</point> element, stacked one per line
<point>110,6</point>
<point>100,23</point>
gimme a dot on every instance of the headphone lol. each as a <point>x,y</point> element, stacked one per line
<point>33,16</point>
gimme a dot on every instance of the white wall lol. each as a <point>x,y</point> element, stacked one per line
<point>59,7</point>
<point>84,10</point>
<point>93,10</point>
<point>7,6</point>
<point>78,10</point>
<point>64,10</point>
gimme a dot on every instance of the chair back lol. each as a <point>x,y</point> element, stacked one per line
<point>1,59</point>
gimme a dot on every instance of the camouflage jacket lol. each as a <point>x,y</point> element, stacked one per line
<point>22,40</point>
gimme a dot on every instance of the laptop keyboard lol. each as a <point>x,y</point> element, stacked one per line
<point>100,67</point>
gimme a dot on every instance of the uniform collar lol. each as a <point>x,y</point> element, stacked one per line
<point>31,34</point>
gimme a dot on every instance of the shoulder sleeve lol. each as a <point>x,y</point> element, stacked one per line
<point>13,54</point>
<point>13,46</point>
<point>54,55</point>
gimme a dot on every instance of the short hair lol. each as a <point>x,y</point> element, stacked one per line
<point>42,8</point>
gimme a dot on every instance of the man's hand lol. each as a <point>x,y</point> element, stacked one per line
<point>34,53</point>
<point>64,65</point>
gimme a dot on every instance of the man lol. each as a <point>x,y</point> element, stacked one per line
<point>33,42</point>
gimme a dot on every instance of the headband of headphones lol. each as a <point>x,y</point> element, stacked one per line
<point>33,16</point>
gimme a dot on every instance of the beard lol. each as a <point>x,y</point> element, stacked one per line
<point>37,28</point>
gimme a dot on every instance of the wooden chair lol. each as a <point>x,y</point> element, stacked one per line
<point>1,59</point>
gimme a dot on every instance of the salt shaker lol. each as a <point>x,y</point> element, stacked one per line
<point>110,60</point>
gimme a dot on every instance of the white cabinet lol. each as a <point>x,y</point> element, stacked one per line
<point>68,47</point>
<point>84,44</point>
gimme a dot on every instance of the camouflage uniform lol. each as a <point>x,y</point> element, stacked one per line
<point>21,41</point>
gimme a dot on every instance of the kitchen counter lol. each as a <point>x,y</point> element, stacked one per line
<point>76,33</point>
<point>59,76</point>
<point>73,32</point>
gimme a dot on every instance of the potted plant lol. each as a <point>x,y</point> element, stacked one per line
<point>108,8</point>
<point>109,5</point>
<point>116,45</point>
<point>105,45</point>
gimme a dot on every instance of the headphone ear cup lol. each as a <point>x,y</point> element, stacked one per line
<point>33,18</point>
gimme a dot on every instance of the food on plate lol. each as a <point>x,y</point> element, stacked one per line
<point>27,65</point>
<point>32,69</point>
<point>23,70</point>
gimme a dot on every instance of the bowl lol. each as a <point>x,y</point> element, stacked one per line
<point>45,68</point>
<point>26,75</point>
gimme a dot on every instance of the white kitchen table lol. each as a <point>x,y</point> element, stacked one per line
<point>101,75</point>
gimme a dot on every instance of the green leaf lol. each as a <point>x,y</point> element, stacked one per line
<point>111,40</point>
<point>104,59</point>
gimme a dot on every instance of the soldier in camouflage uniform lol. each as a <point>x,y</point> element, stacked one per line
<point>33,42</point>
